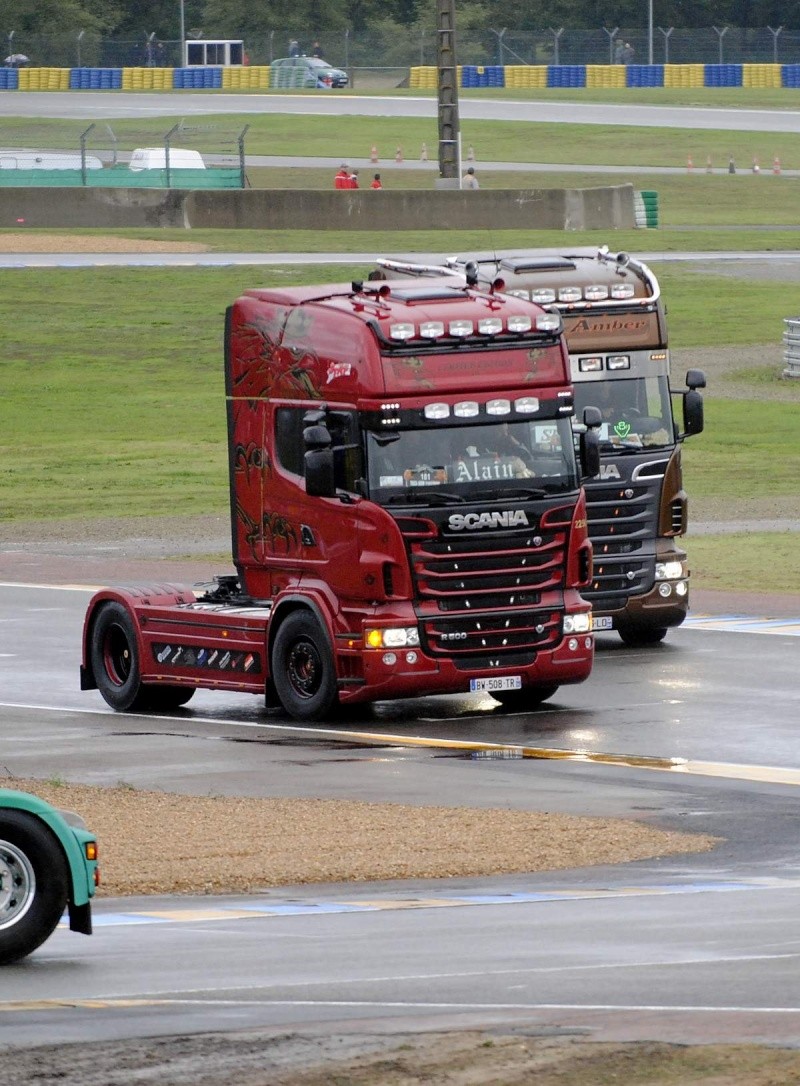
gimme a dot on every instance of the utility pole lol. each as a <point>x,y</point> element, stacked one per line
<point>449,127</point>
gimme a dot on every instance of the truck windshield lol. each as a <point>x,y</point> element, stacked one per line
<point>636,411</point>
<point>467,461</point>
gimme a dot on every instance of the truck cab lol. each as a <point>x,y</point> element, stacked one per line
<point>407,512</point>
<point>616,330</point>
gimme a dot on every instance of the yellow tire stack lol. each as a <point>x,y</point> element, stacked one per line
<point>761,75</point>
<point>254,77</point>
<point>684,75</point>
<point>605,75</point>
<point>46,79</point>
<point>526,75</point>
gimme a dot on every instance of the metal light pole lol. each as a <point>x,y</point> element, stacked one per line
<point>182,60</point>
<point>649,31</point>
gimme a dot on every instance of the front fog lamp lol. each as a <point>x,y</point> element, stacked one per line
<point>392,637</point>
<point>668,571</point>
<point>577,623</point>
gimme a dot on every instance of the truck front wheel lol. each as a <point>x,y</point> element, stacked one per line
<point>640,636</point>
<point>115,658</point>
<point>530,697</point>
<point>303,669</point>
<point>34,884</point>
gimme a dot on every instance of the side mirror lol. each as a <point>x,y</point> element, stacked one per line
<point>693,421</point>
<point>318,466</point>
<point>317,437</point>
<point>590,452</point>
<point>695,379</point>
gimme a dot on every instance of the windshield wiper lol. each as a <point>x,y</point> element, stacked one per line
<point>429,497</point>
<point>512,492</point>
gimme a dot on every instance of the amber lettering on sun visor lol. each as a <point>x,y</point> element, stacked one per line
<point>605,331</point>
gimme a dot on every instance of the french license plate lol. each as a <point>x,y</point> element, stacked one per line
<point>501,682</point>
<point>602,622</point>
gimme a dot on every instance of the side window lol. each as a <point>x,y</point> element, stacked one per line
<point>289,428</point>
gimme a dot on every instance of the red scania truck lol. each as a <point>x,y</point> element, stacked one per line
<point>407,514</point>
<point>616,329</point>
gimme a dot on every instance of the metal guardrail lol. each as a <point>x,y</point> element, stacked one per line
<point>791,347</point>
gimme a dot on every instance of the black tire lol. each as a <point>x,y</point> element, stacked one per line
<point>303,669</point>
<point>638,637</point>
<point>34,884</point>
<point>163,698</point>
<point>115,658</point>
<point>530,697</point>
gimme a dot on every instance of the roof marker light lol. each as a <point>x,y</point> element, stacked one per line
<point>595,293</point>
<point>622,290</point>
<point>489,326</point>
<point>402,330</point>
<point>431,329</point>
<point>466,409</point>
<point>461,328</point>
<point>519,324</point>
<point>569,294</point>
<point>518,294</point>
<point>498,407</point>
<point>526,405</point>
<point>543,295</point>
<point>590,365</point>
<point>437,410</point>
<point>618,362</point>
<point>549,322</point>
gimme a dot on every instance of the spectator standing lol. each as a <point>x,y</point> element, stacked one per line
<point>469,180</point>
<point>353,180</point>
<point>628,53</point>
<point>294,47</point>
<point>317,51</point>
<point>376,182</point>
<point>619,51</point>
<point>342,178</point>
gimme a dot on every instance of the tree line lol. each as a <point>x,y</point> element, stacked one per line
<point>307,20</point>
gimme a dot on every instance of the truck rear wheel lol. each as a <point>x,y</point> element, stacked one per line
<point>115,663</point>
<point>115,658</point>
<point>528,698</point>
<point>34,884</point>
<point>303,669</point>
<point>164,697</point>
<point>639,636</point>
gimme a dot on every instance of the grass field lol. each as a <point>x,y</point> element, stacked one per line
<point>112,380</point>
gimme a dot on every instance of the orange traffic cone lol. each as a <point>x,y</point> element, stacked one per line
<point>471,154</point>
<point>373,155</point>
<point>423,154</point>
<point>709,167</point>
<point>689,164</point>
<point>776,165</point>
<point>398,157</point>
<point>756,167</point>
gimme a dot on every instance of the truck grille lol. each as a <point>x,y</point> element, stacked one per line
<point>479,595</point>
<point>622,527</point>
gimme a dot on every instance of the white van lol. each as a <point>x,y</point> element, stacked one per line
<point>155,158</point>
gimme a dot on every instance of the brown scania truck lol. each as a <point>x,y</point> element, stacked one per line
<point>616,330</point>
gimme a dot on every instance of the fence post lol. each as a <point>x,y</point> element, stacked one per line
<point>167,138</point>
<point>83,153</point>
<point>242,173</point>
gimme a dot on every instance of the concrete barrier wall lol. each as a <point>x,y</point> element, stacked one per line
<point>609,208</point>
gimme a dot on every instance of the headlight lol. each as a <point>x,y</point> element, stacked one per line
<point>577,623</point>
<point>668,571</point>
<point>392,637</point>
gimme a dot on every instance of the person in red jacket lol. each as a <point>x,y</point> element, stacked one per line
<point>342,178</point>
<point>353,180</point>
<point>376,182</point>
